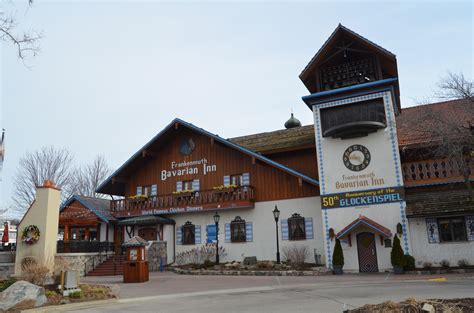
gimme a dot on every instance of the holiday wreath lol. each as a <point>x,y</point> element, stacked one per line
<point>30,235</point>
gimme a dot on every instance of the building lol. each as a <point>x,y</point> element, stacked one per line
<point>363,173</point>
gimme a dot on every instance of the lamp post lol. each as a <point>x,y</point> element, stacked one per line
<point>216,220</point>
<point>276,215</point>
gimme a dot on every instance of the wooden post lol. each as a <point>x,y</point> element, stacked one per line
<point>66,232</point>
<point>87,234</point>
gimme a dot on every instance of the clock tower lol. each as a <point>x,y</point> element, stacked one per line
<point>354,98</point>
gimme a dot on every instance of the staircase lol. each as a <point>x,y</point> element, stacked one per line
<point>106,268</point>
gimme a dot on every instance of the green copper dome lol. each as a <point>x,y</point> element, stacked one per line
<point>292,122</point>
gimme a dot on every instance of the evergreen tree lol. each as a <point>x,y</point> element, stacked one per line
<point>396,256</point>
<point>338,256</point>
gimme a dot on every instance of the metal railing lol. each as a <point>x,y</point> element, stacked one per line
<point>83,246</point>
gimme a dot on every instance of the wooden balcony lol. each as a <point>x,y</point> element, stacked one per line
<point>432,171</point>
<point>232,198</point>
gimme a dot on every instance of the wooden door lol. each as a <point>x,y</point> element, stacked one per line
<point>118,239</point>
<point>367,251</point>
<point>148,233</point>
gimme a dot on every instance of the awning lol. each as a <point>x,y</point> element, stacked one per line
<point>364,221</point>
<point>145,220</point>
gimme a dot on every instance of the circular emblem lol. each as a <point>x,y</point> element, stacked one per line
<point>187,146</point>
<point>356,158</point>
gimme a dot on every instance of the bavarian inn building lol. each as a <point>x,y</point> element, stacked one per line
<point>364,172</point>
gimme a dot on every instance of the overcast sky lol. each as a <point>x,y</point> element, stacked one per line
<point>113,74</point>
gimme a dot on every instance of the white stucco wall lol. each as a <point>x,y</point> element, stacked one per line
<point>423,251</point>
<point>263,245</point>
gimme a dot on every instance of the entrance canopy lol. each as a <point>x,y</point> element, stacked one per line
<point>145,220</point>
<point>364,221</point>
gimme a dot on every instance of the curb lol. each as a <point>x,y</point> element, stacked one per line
<point>180,271</point>
<point>71,306</point>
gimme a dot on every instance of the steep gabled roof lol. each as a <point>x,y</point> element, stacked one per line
<point>230,144</point>
<point>340,30</point>
<point>100,207</point>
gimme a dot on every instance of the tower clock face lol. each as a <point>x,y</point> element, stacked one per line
<point>356,158</point>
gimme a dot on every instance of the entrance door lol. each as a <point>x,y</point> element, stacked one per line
<point>148,233</point>
<point>367,253</point>
<point>118,239</point>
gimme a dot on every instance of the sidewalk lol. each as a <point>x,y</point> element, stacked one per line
<point>169,283</point>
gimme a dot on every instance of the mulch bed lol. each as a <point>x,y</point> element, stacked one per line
<point>465,305</point>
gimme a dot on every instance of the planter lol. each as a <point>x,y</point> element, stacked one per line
<point>337,270</point>
<point>397,270</point>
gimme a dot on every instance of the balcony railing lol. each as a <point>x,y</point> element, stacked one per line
<point>84,246</point>
<point>194,199</point>
<point>433,171</point>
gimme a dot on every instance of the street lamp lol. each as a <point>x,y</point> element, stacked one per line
<point>276,215</point>
<point>216,220</point>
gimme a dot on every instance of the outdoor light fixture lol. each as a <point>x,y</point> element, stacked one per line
<point>216,220</point>
<point>276,215</point>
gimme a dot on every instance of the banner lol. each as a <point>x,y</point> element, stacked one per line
<point>363,198</point>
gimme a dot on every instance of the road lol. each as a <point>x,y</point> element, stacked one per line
<point>289,294</point>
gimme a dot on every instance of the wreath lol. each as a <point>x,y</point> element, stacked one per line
<point>30,235</point>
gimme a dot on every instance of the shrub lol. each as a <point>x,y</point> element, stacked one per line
<point>75,295</point>
<point>296,254</point>
<point>35,273</point>
<point>409,263</point>
<point>7,283</point>
<point>50,293</point>
<point>207,264</point>
<point>338,255</point>
<point>427,265</point>
<point>463,263</point>
<point>445,264</point>
<point>200,255</point>
<point>396,255</point>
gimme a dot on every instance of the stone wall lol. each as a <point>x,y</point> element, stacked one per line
<point>156,250</point>
<point>6,270</point>
<point>81,262</point>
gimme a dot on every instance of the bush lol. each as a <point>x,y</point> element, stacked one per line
<point>463,263</point>
<point>75,295</point>
<point>445,264</point>
<point>396,255</point>
<point>207,264</point>
<point>200,255</point>
<point>409,263</point>
<point>296,254</point>
<point>35,273</point>
<point>7,283</point>
<point>338,255</point>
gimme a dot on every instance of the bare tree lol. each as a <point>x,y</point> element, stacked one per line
<point>35,167</point>
<point>86,179</point>
<point>451,133</point>
<point>26,43</point>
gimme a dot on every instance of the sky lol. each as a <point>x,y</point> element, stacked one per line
<point>112,74</point>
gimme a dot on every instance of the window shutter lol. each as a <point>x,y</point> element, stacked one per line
<point>179,235</point>
<point>227,232</point>
<point>226,180</point>
<point>154,190</point>
<point>470,227</point>
<point>284,229</point>
<point>196,185</point>
<point>248,232</point>
<point>432,229</point>
<point>246,179</point>
<point>179,186</point>
<point>211,233</point>
<point>308,225</point>
<point>139,190</point>
<point>197,234</point>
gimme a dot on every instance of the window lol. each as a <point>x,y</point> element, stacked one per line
<point>452,229</point>
<point>236,180</point>
<point>146,191</point>
<point>296,227</point>
<point>237,230</point>
<point>188,185</point>
<point>188,234</point>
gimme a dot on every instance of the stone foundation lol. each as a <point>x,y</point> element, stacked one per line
<point>156,250</point>
<point>82,262</point>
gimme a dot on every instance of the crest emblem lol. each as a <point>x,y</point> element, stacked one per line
<point>187,146</point>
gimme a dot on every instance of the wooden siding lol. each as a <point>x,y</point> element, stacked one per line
<point>303,161</point>
<point>77,214</point>
<point>270,183</point>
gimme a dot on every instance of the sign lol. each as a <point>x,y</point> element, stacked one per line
<point>188,168</point>
<point>362,198</point>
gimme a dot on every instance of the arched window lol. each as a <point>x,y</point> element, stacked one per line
<point>296,227</point>
<point>237,230</point>
<point>189,237</point>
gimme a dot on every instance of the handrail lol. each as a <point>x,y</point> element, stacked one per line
<point>244,193</point>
